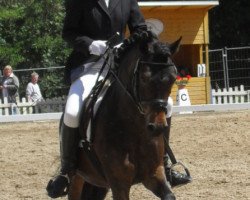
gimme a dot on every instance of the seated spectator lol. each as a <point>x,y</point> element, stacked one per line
<point>33,92</point>
<point>9,86</point>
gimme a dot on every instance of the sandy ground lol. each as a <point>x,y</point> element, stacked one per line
<point>214,146</point>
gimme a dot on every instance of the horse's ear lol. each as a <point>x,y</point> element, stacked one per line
<point>174,47</point>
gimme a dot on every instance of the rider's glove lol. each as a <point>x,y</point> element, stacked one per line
<point>97,47</point>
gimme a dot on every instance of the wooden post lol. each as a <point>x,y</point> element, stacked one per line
<point>242,97</point>
<point>6,109</point>
<point>231,96</point>
<point>1,108</point>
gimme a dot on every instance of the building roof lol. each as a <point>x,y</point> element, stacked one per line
<point>178,3</point>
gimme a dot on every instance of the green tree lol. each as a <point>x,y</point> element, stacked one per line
<point>30,37</point>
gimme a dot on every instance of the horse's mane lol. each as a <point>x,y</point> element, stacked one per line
<point>159,49</point>
<point>132,40</point>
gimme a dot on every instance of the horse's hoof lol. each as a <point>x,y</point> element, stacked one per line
<point>58,187</point>
<point>170,197</point>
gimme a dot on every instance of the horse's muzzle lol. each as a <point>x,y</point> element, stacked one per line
<point>159,124</point>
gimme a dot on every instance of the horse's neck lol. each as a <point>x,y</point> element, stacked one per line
<point>128,65</point>
<point>123,87</point>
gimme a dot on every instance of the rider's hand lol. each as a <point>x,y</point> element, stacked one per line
<point>97,47</point>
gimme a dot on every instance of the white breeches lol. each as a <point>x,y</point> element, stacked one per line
<point>78,92</point>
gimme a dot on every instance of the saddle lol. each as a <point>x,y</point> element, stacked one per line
<point>88,113</point>
<point>90,108</point>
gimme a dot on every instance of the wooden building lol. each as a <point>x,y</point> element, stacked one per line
<point>188,19</point>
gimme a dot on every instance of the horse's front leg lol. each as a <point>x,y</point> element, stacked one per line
<point>120,177</point>
<point>120,191</point>
<point>158,185</point>
<point>120,183</point>
<point>92,192</point>
<point>76,186</point>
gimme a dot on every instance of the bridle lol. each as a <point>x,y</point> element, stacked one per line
<point>134,94</point>
<point>157,104</point>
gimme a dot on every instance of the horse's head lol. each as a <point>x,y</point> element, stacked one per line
<point>152,74</point>
<point>156,76</point>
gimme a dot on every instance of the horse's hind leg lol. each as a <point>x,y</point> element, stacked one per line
<point>158,185</point>
<point>91,192</point>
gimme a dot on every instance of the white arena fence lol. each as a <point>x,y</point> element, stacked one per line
<point>24,107</point>
<point>232,95</point>
<point>51,109</point>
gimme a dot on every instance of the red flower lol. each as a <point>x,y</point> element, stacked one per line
<point>178,78</point>
<point>188,77</point>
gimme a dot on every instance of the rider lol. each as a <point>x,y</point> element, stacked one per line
<point>87,26</point>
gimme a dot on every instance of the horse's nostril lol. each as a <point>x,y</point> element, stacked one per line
<point>151,127</point>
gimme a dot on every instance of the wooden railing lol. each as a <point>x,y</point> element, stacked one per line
<point>26,107</point>
<point>56,105</point>
<point>232,95</point>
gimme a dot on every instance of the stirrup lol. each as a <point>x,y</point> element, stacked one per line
<point>187,176</point>
<point>58,187</point>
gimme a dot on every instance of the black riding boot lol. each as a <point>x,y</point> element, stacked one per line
<point>175,178</point>
<point>69,138</point>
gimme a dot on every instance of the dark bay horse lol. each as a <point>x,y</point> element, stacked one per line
<point>129,124</point>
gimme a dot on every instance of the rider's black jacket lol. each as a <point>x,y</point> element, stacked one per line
<point>88,20</point>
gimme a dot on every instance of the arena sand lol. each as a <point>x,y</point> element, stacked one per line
<point>215,146</point>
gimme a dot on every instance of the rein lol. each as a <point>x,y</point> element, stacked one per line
<point>127,92</point>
